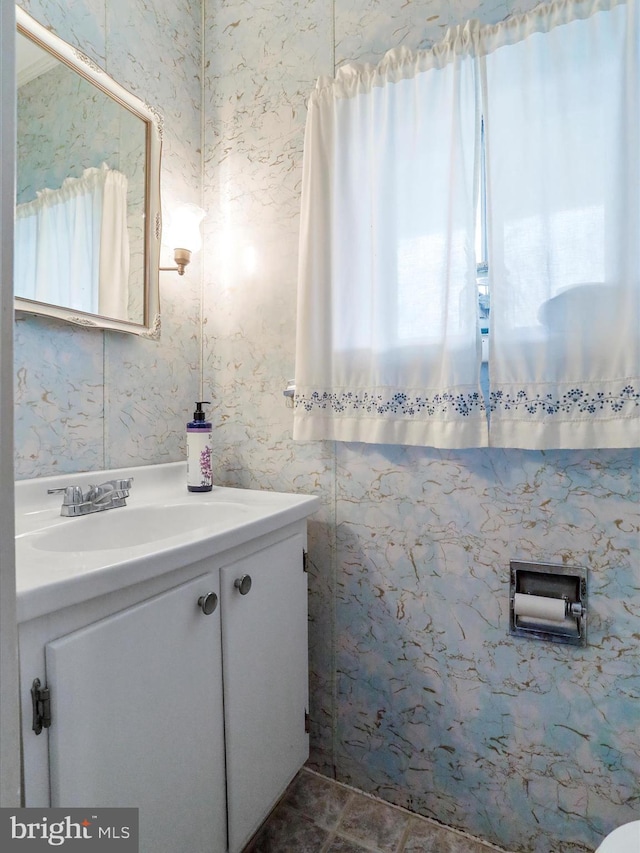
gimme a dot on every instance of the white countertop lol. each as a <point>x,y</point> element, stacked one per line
<point>50,577</point>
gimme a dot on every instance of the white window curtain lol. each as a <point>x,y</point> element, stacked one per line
<point>562,125</point>
<point>72,244</point>
<point>387,348</point>
<point>387,338</point>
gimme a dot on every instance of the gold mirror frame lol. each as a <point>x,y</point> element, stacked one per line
<point>86,68</point>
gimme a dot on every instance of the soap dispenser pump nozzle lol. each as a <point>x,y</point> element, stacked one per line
<point>199,414</point>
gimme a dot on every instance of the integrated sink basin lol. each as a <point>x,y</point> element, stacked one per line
<point>130,526</point>
<point>61,561</point>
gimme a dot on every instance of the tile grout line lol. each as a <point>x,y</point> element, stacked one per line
<point>333,832</point>
<point>365,845</point>
<point>405,836</point>
<point>327,844</point>
<point>339,832</point>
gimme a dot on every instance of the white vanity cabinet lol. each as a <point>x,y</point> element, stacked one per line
<point>198,719</point>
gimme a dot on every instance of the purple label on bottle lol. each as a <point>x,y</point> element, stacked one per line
<point>199,474</point>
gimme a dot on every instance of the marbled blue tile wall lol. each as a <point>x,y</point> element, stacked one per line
<point>87,399</point>
<point>418,692</point>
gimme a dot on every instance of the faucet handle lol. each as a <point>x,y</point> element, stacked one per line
<point>72,494</point>
<point>119,485</point>
<point>123,484</point>
<point>112,492</point>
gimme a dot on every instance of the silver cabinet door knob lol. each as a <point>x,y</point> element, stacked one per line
<point>243,584</point>
<point>208,603</point>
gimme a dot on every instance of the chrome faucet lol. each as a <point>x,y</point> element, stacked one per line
<point>107,495</point>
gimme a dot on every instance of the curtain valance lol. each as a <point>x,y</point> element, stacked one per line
<point>388,347</point>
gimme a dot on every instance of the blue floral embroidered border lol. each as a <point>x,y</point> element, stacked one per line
<point>398,404</point>
<point>574,401</point>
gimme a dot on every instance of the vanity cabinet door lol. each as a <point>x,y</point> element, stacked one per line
<point>265,673</point>
<point>138,719</point>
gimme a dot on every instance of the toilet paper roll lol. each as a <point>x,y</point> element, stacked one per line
<point>539,607</point>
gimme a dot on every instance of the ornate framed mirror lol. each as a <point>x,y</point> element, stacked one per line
<point>88,218</point>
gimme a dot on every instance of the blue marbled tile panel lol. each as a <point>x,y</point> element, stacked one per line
<point>59,397</point>
<point>528,744</point>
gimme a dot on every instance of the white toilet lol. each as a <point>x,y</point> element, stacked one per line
<point>624,839</point>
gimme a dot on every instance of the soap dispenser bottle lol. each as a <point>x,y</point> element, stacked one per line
<point>199,451</point>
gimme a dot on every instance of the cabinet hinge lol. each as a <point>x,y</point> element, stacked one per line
<point>41,705</point>
<point>305,561</point>
<point>307,723</point>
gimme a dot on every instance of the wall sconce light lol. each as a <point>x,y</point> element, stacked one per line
<point>184,235</point>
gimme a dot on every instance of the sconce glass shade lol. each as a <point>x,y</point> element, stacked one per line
<point>183,235</point>
<point>184,228</point>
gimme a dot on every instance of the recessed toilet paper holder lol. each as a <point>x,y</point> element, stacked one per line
<point>548,602</point>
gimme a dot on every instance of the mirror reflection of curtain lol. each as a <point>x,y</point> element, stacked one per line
<point>72,244</point>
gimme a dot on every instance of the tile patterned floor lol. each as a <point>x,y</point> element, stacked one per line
<point>317,815</point>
